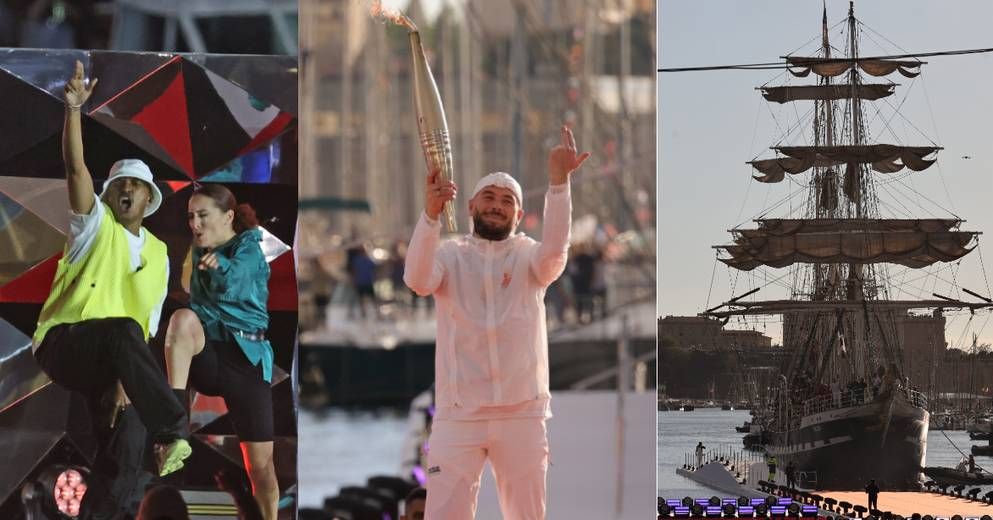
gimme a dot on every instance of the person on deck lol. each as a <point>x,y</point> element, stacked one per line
<point>790,475</point>
<point>873,491</point>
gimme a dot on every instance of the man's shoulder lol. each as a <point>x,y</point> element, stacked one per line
<point>154,243</point>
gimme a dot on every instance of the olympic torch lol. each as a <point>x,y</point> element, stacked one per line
<point>432,127</point>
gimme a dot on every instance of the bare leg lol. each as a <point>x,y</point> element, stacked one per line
<point>184,339</point>
<point>262,472</point>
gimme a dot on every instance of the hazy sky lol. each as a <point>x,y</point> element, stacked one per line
<point>710,123</point>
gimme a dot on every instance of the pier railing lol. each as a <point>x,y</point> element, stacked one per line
<point>737,462</point>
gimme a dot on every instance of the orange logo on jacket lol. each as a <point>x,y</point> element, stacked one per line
<point>506,280</point>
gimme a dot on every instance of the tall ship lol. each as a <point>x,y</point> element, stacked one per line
<point>842,410</point>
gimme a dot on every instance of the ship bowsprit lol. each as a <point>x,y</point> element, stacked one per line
<point>843,448</point>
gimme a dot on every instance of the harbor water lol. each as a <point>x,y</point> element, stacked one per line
<point>679,433</point>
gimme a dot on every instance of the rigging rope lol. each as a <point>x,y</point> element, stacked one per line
<point>778,65</point>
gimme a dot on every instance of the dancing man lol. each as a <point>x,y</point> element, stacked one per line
<point>491,359</point>
<point>107,294</point>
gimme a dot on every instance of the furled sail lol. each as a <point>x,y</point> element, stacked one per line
<point>870,92</point>
<point>747,308</point>
<point>792,226</point>
<point>801,67</point>
<point>912,243</point>
<point>884,158</point>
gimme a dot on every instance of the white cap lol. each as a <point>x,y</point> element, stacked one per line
<point>500,180</point>
<point>136,169</point>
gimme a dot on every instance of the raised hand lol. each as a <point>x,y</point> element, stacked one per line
<point>76,89</point>
<point>437,193</point>
<point>563,159</point>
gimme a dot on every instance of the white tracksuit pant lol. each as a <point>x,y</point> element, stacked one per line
<point>518,453</point>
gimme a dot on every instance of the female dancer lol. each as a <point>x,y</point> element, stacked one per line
<point>218,344</point>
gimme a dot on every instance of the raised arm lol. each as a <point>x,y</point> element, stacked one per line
<point>423,273</point>
<point>552,253</point>
<point>78,177</point>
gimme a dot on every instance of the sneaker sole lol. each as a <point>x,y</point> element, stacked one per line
<point>175,456</point>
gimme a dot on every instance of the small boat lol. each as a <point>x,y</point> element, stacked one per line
<point>980,436</point>
<point>982,450</point>
<point>957,476</point>
<point>744,428</point>
<point>726,406</point>
<point>687,408</point>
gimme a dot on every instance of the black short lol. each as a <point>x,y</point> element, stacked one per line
<point>222,369</point>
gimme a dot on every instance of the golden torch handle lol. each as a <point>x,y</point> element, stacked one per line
<point>431,124</point>
<point>438,155</point>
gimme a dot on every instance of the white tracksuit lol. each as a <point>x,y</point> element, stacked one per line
<point>491,360</point>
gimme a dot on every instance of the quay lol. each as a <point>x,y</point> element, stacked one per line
<point>717,474</point>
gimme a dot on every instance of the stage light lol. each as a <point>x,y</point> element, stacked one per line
<point>419,475</point>
<point>793,509</point>
<point>808,510</point>
<point>64,488</point>
<point>729,510</point>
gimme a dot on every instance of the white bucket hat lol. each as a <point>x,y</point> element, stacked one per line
<point>136,169</point>
<point>500,180</point>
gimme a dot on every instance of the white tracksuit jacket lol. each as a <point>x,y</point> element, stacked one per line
<point>492,342</point>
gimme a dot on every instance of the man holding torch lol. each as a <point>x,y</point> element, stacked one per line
<point>491,356</point>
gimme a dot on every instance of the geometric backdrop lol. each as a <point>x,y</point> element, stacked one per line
<point>192,117</point>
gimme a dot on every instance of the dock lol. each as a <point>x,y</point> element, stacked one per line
<point>717,476</point>
<point>910,502</point>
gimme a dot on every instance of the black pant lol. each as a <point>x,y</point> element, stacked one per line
<point>90,356</point>
<point>118,479</point>
<point>221,369</point>
<point>872,502</point>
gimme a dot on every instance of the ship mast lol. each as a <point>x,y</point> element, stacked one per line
<point>844,326</point>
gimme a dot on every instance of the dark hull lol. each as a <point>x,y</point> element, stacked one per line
<point>982,450</point>
<point>845,447</point>
<point>954,476</point>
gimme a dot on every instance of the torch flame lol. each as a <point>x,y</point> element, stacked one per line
<point>393,16</point>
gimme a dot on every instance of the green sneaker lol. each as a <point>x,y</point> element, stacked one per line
<point>170,456</point>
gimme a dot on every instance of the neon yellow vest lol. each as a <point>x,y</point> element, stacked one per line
<point>102,284</point>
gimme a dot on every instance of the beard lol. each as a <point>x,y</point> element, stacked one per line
<point>489,231</point>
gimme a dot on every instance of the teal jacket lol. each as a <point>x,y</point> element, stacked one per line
<point>234,295</point>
